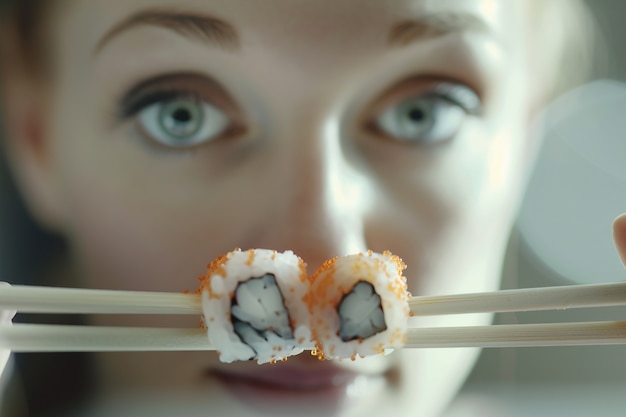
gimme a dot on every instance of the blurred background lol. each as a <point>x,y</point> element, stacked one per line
<point>563,237</point>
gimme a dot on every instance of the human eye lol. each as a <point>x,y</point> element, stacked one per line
<point>425,114</point>
<point>180,111</point>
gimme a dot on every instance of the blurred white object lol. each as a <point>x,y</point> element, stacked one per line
<point>5,320</point>
<point>579,184</point>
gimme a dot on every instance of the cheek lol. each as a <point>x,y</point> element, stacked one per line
<point>152,223</point>
<point>136,219</point>
<point>131,228</point>
<point>120,244</point>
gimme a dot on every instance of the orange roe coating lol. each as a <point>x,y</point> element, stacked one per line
<point>250,259</point>
<point>302,267</point>
<point>328,290</point>
<point>215,267</point>
<point>320,291</point>
<point>318,352</point>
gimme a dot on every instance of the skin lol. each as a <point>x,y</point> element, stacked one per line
<point>619,236</point>
<point>303,171</point>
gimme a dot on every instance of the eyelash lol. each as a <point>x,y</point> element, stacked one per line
<point>471,109</point>
<point>131,106</point>
<point>171,87</point>
<point>452,91</point>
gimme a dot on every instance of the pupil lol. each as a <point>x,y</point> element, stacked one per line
<point>416,115</point>
<point>181,118</point>
<point>182,115</point>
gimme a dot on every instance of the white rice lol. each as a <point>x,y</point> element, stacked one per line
<point>382,315</point>
<point>237,308</point>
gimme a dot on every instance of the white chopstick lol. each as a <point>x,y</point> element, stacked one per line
<point>31,299</point>
<point>63,338</point>
<point>59,338</point>
<point>528,299</point>
<point>520,335</point>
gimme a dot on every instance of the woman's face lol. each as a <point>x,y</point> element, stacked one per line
<point>178,130</point>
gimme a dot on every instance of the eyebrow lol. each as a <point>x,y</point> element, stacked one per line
<point>435,25</point>
<point>198,27</point>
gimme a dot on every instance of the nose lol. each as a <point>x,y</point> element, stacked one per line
<point>325,199</point>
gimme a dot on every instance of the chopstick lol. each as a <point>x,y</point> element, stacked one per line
<point>61,338</point>
<point>56,338</point>
<point>527,299</point>
<point>31,299</point>
<point>67,338</point>
<point>520,335</point>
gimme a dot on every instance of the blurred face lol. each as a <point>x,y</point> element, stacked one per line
<point>179,130</point>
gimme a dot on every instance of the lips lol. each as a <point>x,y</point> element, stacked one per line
<point>305,383</point>
<point>285,376</point>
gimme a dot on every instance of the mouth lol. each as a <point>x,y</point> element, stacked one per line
<point>297,385</point>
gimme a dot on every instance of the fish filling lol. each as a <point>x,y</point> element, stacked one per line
<point>258,313</point>
<point>361,313</point>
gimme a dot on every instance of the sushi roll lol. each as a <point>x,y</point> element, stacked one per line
<point>252,305</point>
<point>359,305</point>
